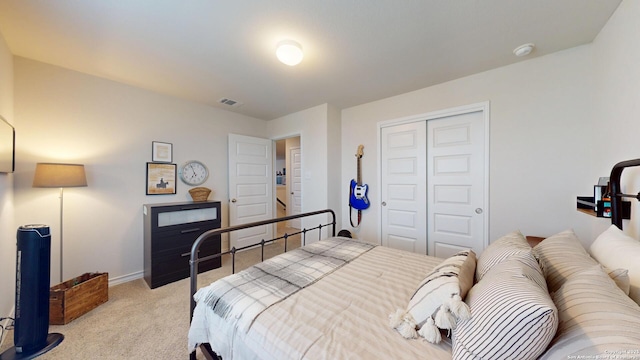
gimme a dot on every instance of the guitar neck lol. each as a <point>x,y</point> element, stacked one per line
<point>359,154</point>
<point>359,171</point>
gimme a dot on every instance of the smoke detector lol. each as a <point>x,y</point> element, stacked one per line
<point>523,50</point>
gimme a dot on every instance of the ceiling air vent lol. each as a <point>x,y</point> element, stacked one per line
<point>230,102</point>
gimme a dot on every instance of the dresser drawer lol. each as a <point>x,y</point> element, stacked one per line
<point>175,266</point>
<point>168,240</point>
<point>178,217</point>
<point>211,246</point>
<point>188,228</point>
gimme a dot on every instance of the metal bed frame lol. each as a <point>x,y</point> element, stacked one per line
<point>195,260</point>
<point>616,195</point>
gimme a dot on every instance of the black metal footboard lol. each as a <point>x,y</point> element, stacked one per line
<point>195,260</point>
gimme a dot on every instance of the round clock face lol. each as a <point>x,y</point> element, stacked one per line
<point>194,173</point>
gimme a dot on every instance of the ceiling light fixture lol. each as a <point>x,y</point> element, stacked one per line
<point>289,52</point>
<point>523,50</point>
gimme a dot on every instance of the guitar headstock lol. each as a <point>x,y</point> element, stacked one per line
<point>360,151</point>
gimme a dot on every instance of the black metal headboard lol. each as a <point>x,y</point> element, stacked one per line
<point>616,195</point>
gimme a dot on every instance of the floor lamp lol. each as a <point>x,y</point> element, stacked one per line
<point>54,175</point>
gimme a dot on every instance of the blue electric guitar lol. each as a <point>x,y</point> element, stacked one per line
<point>358,194</point>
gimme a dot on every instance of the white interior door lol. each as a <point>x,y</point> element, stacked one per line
<point>250,188</point>
<point>295,187</point>
<point>456,183</point>
<point>403,190</point>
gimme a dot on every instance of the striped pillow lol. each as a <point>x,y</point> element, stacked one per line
<point>596,318</point>
<point>500,250</point>
<point>561,256</point>
<point>437,303</point>
<point>512,315</point>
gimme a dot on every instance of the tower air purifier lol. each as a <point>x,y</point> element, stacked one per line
<point>33,261</point>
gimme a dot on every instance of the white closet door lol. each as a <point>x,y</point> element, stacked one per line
<point>403,191</point>
<point>456,183</point>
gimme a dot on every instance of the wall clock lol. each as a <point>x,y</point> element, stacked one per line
<point>193,172</point>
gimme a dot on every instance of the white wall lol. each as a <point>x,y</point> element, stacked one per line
<point>558,123</point>
<point>540,139</point>
<point>617,70</point>
<point>7,223</point>
<point>334,168</point>
<point>66,116</point>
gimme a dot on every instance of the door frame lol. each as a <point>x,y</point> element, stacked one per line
<point>284,137</point>
<point>458,110</point>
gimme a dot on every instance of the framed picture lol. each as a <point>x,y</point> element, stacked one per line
<point>161,178</point>
<point>162,152</point>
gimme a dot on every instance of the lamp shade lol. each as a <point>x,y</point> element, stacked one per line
<point>59,175</point>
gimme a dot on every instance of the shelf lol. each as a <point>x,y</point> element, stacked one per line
<point>586,204</point>
<point>588,212</point>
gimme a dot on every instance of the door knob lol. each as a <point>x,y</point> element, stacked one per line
<point>292,193</point>
<point>384,203</point>
<point>233,200</point>
<point>478,211</point>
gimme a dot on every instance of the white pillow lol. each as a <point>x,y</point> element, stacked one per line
<point>500,250</point>
<point>614,249</point>
<point>512,315</point>
<point>437,303</point>
<point>621,278</point>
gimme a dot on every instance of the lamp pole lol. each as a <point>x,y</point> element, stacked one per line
<point>61,232</point>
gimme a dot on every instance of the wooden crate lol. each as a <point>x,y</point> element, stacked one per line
<point>73,298</point>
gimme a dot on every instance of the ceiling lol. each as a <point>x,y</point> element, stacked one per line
<point>356,51</point>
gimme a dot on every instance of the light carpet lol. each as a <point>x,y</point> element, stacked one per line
<point>142,323</point>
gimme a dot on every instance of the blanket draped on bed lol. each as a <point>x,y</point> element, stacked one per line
<point>241,297</point>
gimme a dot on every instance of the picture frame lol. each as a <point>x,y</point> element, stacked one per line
<point>161,152</point>
<point>161,178</point>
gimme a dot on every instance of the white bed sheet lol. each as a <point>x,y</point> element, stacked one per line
<point>342,316</point>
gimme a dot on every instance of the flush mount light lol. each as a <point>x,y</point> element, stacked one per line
<point>523,50</point>
<point>289,52</point>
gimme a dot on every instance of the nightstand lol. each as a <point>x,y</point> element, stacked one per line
<point>534,240</point>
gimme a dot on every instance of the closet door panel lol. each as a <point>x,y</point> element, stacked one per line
<point>403,189</point>
<point>456,183</point>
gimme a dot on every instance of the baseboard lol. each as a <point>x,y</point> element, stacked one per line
<point>126,278</point>
<point>5,323</point>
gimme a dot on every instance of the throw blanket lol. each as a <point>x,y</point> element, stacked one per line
<point>241,297</point>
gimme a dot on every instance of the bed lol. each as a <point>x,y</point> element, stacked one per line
<point>350,299</point>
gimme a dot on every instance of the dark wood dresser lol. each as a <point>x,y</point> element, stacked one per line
<point>169,231</point>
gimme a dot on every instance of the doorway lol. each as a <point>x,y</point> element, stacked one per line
<point>288,194</point>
